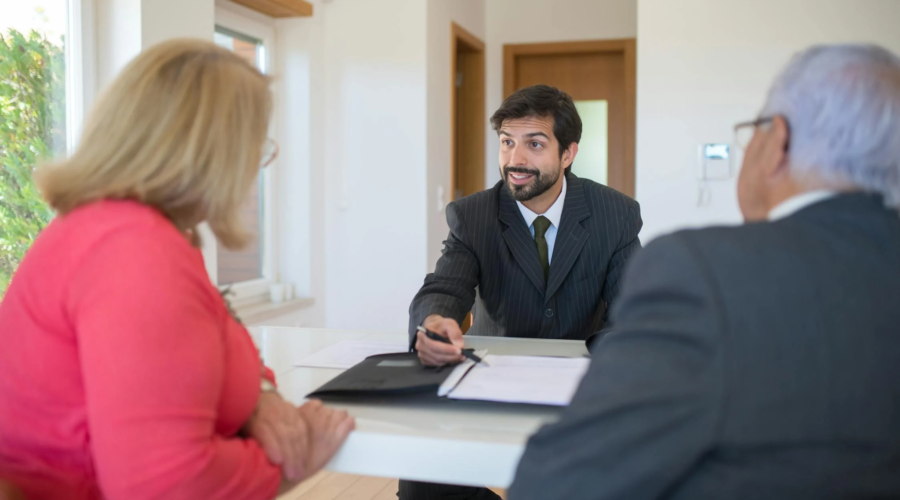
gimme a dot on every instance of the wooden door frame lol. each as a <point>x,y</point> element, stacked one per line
<point>626,46</point>
<point>458,35</point>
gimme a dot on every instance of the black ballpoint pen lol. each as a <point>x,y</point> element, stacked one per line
<point>440,338</point>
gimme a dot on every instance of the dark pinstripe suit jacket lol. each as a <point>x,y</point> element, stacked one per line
<point>490,248</point>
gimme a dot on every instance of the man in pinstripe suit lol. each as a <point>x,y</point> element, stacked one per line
<point>539,255</point>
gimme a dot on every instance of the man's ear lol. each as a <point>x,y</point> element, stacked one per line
<point>569,154</point>
<point>775,148</point>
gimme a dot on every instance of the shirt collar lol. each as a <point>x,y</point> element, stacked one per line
<point>554,213</point>
<point>797,203</point>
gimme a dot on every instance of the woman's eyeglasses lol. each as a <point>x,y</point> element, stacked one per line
<point>269,153</point>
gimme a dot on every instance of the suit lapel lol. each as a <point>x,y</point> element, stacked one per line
<point>519,240</point>
<point>571,236</point>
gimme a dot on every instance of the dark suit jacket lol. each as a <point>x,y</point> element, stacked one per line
<point>490,247</point>
<point>760,361</point>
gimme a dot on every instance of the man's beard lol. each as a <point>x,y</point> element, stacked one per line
<point>539,184</point>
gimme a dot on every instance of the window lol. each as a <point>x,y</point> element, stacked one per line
<point>249,272</point>
<point>41,100</point>
<point>246,264</point>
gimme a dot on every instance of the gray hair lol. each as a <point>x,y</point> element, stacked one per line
<point>842,103</point>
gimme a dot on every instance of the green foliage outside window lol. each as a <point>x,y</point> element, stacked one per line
<point>32,129</point>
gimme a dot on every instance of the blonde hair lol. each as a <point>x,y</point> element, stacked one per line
<point>180,129</point>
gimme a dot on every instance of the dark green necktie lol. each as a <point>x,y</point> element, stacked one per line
<point>541,224</point>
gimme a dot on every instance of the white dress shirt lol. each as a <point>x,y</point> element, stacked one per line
<point>797,203</point>
<point>554,213</point>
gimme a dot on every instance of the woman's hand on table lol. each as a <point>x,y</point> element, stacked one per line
<point>328,429</point>
<point>283,434</point>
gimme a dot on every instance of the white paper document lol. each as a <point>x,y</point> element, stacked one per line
<point>523,379</point>
<point>348,353</point>
<point>459,371</point>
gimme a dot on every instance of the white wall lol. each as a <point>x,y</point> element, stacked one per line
<point>118,37</point>
<point>165,19</point>
<point>369,116</point>
<point>374,160</point>
<point>534,21</point>
<point>300,187</point>
<point>470,15</point>
<point>125,27</point>
<point>704,65</point>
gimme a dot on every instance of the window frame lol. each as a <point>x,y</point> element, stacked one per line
<point>257,290</point>
<point>81,57</point>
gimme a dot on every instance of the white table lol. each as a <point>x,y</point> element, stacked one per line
<point>469,443</point>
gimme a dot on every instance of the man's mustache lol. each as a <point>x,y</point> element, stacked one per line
<point>521,170</point>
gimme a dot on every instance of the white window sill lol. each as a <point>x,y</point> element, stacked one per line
<point>254,313</point>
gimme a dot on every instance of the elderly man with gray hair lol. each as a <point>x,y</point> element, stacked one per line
<point>759,361</point>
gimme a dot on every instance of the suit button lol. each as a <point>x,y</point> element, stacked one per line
<point>548,313</point>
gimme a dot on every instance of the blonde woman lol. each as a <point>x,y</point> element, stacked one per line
<point>122,373</point>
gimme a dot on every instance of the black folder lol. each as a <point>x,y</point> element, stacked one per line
<point>398,376</point>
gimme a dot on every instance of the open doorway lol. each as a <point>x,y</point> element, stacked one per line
<point>467,113</point>
<point>600,77</point>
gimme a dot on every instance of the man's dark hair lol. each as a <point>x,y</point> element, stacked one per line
<point>542,101</point>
